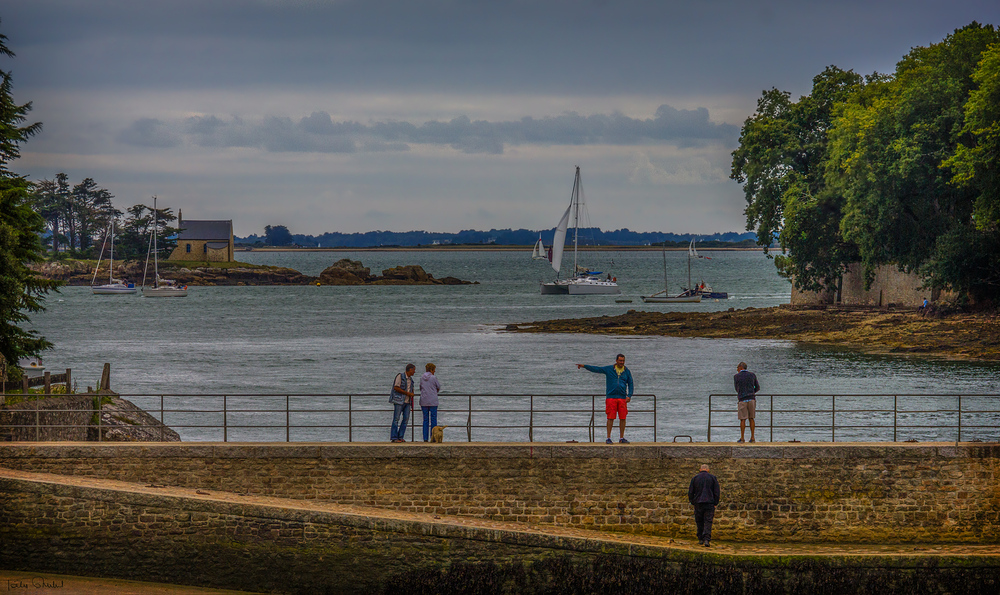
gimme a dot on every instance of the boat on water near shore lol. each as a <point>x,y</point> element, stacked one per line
<point>161,287</point>
<point>584,281</point>
<point>701,289</point>
<point>664,297</point>
<point>113,286</point>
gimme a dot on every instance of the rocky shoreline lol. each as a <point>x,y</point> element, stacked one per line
<point>961,336</point>
<point>342,272</point>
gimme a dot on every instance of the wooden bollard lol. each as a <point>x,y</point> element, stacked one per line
<point>69,381</point>
<point>48,382</point>
<point>24,386</point>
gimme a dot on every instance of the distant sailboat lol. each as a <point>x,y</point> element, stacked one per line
<point>664,297</point>
<point>584,281</point>
<point>113,286</point>
<point>168,288</point>
<point>703,290</point>
<point>539,252</point>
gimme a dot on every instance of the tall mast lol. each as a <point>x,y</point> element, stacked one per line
<point>156,268</point>
<point>111,273</point>
<point>576,217</point>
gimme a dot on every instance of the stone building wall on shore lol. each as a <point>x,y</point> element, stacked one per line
<point>891,287</point>
<point>811,492</point>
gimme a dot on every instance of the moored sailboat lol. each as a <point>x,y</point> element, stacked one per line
<point>160,287</point>
<point>664,297</point>
<point>113,286</point>
<point>701,289</point>
<point>584,281</point>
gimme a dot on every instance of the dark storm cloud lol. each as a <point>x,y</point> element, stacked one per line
<point>507,46</point>
<point>149,132</point>
<point>319,133</point>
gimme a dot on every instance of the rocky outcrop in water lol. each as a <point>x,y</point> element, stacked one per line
<point>342,272</point>
<point>353,272</point>
<point>122,421</point>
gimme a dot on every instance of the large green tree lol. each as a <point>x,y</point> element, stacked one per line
<point>21,291</point>
<point>888,150</point>
<point>780,162</point>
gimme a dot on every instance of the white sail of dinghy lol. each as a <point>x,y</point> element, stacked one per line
<point>539,252</point>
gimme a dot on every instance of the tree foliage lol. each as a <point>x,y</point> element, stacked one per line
<point>783,147</point>
<point>77,216</point>
<point>21,291</point>
<point>891,170</point>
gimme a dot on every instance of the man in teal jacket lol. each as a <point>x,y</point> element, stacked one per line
<point>618,391</point>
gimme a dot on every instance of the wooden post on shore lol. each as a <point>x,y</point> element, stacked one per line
<point>48,382</point>
<point>69,381</point>
<point>105,378</point>
<point>24,385</point>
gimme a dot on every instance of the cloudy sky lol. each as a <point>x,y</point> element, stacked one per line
<point>357,115</point>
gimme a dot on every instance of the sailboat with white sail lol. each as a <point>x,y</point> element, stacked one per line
<point>160,287</point>
<point>584,281</point>
<point>113,286</point>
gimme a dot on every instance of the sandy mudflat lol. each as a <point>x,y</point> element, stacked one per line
<point>958,336</point>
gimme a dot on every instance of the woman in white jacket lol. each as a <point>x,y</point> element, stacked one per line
<point>429,388</point>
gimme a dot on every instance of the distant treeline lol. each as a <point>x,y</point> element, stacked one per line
<point>279,235</point>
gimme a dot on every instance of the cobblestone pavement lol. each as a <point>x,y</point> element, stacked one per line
<point>907,550</point>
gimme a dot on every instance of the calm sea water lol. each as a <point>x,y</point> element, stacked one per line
<point>257,340</point>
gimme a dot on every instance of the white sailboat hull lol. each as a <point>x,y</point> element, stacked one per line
<point>113,289</point>
<point>580,287</point>
<point>152,292</point>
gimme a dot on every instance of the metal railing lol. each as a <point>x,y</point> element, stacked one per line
<point>861,417</point>
<point>364,417</point>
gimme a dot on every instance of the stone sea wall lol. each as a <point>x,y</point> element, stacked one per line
<point>108,529</point>
<point>808,492</point>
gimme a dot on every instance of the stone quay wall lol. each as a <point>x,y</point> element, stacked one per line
<point>112,529</point>
<point>770,492</point>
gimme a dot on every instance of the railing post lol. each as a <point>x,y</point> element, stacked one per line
<point>654,419</point>
<point>531,418</point>
<point>288,420</point>
<point>709,418</point>
<point>38,430</point>
<point>350,418</point>
<point>959,418</point>
<point>895,414</point>
<point>225,420</point>
<point>100,437</point>
<point>468,423</point>
<point>162,425</point>
<point>770,418</point>
<point>833,418</point>
<point>593,416</point>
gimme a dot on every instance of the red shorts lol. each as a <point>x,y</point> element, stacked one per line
<point>616,407</point>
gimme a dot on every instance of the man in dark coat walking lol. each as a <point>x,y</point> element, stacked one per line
<point>703,494</point>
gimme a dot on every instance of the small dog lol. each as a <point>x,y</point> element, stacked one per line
<point>437,433</point>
